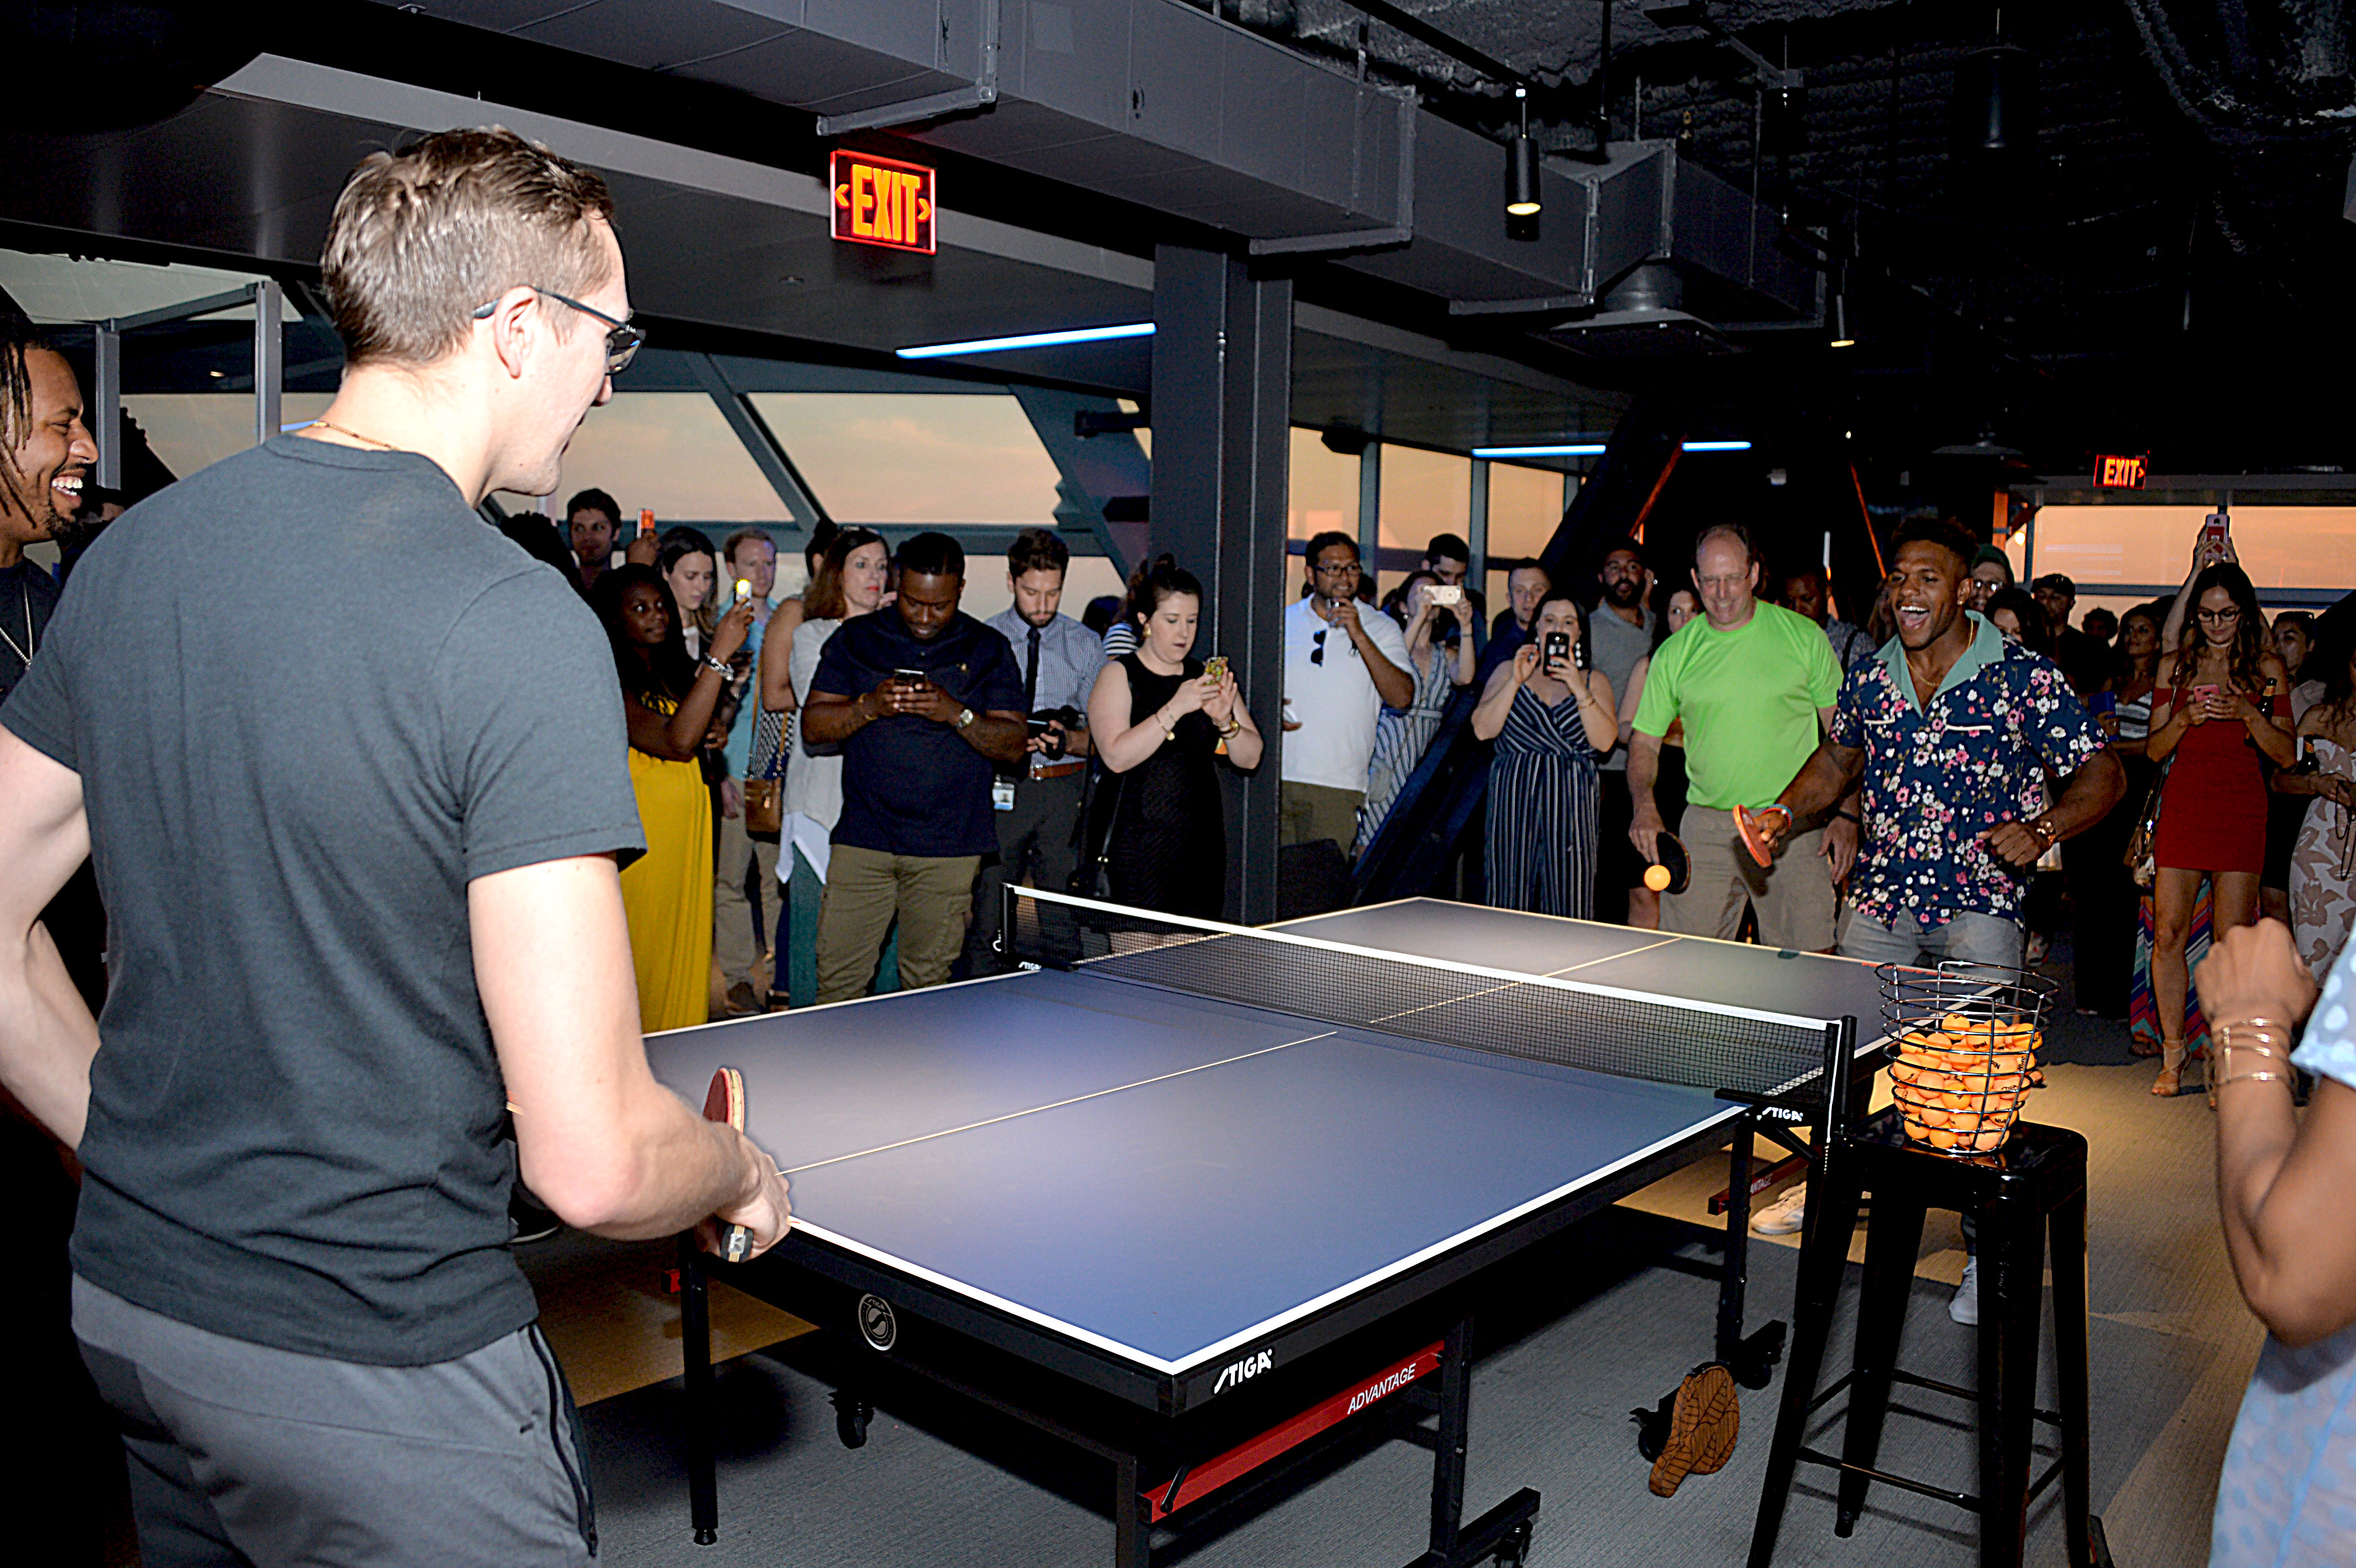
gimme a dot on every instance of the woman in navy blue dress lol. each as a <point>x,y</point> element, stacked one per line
<point>1552,719</point>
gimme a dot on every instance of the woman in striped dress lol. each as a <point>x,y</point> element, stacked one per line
<point>1439,666</point>
<point>1552,718</point>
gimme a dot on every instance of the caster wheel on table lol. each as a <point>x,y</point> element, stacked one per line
<point>707,1537</point>
<point>1515,1550</point>
<point>851,1414</point>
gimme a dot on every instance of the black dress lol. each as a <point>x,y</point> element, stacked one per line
<point>1169,842</point>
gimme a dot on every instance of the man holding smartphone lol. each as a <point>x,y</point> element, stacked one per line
<point>1037,799</point>
<point>1341,669</point>
<point>927,704</point>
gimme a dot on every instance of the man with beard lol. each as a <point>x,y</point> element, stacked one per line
<point>1619,634</point>
<point>1805,593</point>
<point>1952,729</point>
<point>46,453</point>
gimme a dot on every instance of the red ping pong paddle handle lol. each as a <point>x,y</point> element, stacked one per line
<point>724,1102</point>
<point>1747,823</point>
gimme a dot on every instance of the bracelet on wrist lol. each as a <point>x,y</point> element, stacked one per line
<point>2265,1039</point>
<point>719,667</point>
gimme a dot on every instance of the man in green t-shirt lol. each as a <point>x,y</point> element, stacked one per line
<point>1752,683</point>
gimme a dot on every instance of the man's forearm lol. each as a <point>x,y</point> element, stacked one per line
<point>1644,770</point>
<point>1000,738</point>
<point>687,1170</point>
<point>48,1037</point>
<point>828,720</point>
<point>1827,777</point>
<point>2087,796</point>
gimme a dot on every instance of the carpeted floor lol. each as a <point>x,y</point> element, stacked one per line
<point>1579,1335</point>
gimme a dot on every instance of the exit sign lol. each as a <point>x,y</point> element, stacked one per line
<point>2121,473</point>
<point>882,201</point>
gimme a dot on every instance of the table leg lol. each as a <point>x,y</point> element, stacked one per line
<point>1132,1536</point>
<point>2070,1359</point>
<point>1734,1273</point>
<point>695,1339</point>
<point>1448,1455</point>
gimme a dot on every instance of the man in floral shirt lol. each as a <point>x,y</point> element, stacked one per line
<point>1952,730</point>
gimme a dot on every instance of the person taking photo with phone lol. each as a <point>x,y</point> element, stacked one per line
<point>1159,718</point>
<point>1341,668</point>
<point>1553,718</point>
<point>2221,713</point>
<point>1429,610</point>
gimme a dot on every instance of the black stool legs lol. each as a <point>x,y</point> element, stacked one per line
<point>2034,1188</point>
<point>1824,1259</point>
<point>1890,1248</point>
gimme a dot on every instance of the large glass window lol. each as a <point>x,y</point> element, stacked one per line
<point>188,431</point>
<point>1323,488</point>
<point>1526,506</point>
<point>673,453</point>
<point>2280,546</point>
<point>915,457</point>
<point>1424,492</point>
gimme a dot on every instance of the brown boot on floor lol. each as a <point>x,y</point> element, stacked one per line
<point>1703,1425</point>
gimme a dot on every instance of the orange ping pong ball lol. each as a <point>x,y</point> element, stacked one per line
<point>1658,878</point>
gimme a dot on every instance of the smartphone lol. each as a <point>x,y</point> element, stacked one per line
<point>1556,650</point>
<point>1215,668</point>
<point>2103,702</point>
<point>1447,595</point>
<point>910,676</point>
<point>744,589</point>
<point>2214,532</point>
<point>645,522</point>
<point>2203,693</point>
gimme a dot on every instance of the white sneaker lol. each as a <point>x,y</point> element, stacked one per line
<point>1785,1215</point>
<point>1966,1307</point>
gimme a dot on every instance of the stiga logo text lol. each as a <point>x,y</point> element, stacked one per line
<point>1249,1367</point>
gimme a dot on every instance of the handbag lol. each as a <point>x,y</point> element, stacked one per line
<point>764,789</point>
<point>2140,863</point>
<point>1092,877</point>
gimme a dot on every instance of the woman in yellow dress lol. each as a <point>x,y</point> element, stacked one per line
<point>669,700</point>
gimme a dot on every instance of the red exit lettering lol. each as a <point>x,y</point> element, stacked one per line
<point>880,201</point>
<point>2121,473</point>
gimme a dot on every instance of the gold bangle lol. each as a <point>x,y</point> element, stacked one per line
<point>2266,1038</point>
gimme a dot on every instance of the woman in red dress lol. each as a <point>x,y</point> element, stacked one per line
<point>2222,714</point>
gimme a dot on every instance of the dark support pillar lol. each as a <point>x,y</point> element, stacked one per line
<point>1222,431</point>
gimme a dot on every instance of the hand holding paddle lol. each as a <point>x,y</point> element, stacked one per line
<point>733,1241</point>
<point>1671,871</point>
<point>1763,830</point>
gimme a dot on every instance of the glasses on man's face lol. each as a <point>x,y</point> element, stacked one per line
<point>1336,569</point>
<point>2217,617</point>
<point>622,340</point>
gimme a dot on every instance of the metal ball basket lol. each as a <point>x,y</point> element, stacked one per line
<point>1964,1044</point>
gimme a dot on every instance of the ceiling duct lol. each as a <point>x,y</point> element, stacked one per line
<point>1166,105</point>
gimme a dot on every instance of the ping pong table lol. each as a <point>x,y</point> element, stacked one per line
<point>1188,1195</point>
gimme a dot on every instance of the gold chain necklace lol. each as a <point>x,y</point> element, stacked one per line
<point>363,440</point>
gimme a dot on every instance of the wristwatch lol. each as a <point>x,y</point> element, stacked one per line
<point>964,718</point>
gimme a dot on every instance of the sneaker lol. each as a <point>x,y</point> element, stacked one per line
<point>1703,1425</point>
<point>1966,1307</point>
<point>1785,1215</point>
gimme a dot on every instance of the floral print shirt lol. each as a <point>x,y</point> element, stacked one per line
<point>1937,778</point>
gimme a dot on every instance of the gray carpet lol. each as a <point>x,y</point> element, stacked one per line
<point>1571,1341</point>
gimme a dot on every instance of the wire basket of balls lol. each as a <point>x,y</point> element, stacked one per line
<point>1963,1043</point>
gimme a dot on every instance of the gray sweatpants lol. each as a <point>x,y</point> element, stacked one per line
<point>242,1454</point>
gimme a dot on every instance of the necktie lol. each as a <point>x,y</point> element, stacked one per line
<point>1031,675</point>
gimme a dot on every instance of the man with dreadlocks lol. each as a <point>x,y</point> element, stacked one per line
<point>45,456</point>
<point>358,858</point>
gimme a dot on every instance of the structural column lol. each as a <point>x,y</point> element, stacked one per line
<point>1221,432</point>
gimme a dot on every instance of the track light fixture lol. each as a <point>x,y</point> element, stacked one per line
<point>1522,166</point>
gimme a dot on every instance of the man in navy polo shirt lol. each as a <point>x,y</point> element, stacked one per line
<point>926,703</point>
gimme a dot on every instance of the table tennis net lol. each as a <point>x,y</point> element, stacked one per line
<point>1660,1040</point>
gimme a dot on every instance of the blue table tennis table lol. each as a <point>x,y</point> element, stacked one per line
<point>1186,1195</point>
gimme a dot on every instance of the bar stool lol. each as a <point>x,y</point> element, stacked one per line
<point>2035,1184</point>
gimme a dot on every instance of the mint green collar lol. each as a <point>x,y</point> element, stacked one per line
<point>1987,648</point>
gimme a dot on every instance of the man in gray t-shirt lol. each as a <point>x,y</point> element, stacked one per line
<point>358,857</point>
<point>1619,634</point>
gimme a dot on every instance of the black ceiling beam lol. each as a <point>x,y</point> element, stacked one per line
<point>1455,49</point>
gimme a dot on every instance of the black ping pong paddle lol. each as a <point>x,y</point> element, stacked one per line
<point>1669,853</point>
<point>724,1102</point>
